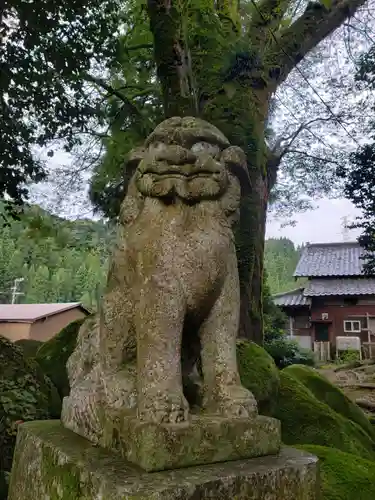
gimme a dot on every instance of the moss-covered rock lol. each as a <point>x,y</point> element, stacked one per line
<point>29,347</point>
<point>53,355</point>
<point>259,374</point>
<point>344,476</point>
<point>25,394</point>
<point>307,420</point>
<point>325,391</point>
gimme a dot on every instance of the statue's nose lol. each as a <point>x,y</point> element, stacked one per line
<point>175,155</point>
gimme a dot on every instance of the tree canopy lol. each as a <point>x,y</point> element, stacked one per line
<point>359,175</point>
<point>47,50</point>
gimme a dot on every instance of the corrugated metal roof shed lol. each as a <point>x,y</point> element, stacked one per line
<point>331,259</point>
<point>28,313</point>
<point>344,286</point>
<point>293,298</point>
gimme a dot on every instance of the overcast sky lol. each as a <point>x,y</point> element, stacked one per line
<point>323,225</point>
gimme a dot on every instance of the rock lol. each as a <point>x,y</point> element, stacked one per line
<point>307,420</point>
<point>52,462</point>
<point>53,355</point>
<point>328,393</point>
<point>25,394</point>
<point>344,476</point>
<point>259,374</point>
<point>365,403</point>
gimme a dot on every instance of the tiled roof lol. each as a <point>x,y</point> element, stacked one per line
<point>28,313</point>
<point>292,298</point>
<point>344,286</point>
<point>333,259</point>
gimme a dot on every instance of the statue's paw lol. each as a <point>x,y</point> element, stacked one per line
<point>233,401</point>
<point>166,408</point>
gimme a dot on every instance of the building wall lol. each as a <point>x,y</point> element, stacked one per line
<point>46,328</point>
<point>338,311</point>
<point>15,331</point>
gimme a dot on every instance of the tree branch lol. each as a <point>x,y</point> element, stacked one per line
<point>144,126</point>
<point>268,14</point>
<point>315,24</point>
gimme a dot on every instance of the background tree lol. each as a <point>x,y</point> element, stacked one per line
<point>359,174</point>
<point>48,51</point>
<point>223,62</point>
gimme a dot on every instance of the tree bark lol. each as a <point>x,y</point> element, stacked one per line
<point>236,100</point>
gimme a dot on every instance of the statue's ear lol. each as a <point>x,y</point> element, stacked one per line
<point>230,201</point>
<point>235,161</point>
<point>131,205</point>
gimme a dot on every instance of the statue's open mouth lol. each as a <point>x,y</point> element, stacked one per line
<point>180,175</point>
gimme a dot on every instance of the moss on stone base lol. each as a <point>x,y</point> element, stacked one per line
<point>52,462</point>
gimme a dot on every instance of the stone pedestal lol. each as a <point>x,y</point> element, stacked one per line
<point>53,462</point>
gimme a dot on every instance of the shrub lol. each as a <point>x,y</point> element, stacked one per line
<point>53,355</point>
<point>286,352</point>
<point>344,476</point>
<point>25,394</point>
<point>324,391</point>
<point>259,374</point>
<point>307,420</point>
<point>29,347</point>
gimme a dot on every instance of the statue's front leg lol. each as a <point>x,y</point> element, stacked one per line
<point>159,318</point>
<point>223,392</point>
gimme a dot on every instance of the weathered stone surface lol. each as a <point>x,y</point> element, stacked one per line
<point>52,462</point>
<point>203,440</point>
<point>164,340</point>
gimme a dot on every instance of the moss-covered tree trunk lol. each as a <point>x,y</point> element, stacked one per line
<point>223,64</point>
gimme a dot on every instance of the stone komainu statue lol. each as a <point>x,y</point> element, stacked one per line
<point>172,295</point>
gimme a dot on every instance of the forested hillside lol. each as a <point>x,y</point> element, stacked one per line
<point>59,260</point>
<point>281,258</point>
<point>65,261</point>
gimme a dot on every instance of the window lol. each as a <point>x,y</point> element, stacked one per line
<point>352,326</point>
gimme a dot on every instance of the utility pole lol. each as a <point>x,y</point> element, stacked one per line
<point>345,228</point>
<point>14,289</point>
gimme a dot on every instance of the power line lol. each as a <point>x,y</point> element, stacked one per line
<point>303,76</point>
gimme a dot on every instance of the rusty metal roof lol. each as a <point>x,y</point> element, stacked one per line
<point>331,259</point>
<point>293,298</point>
<point>343,286</point>
<point>28,313</point>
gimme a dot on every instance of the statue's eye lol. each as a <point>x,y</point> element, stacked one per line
<point>157,146</point>
<point>206,147</point>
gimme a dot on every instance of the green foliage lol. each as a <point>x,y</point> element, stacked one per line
<point>258,374</point>
<point>25,394</point>
<point>349,356</point>
<point>286,352</point>
<point>45,53</point>
<point>330,394</point>
<point>53,355</point>
<point>4,483</point>
<point>29,347</point>
<point>307,420</point>
<point>60,260</point>
<point>344,476</point>
<point>280,259</point>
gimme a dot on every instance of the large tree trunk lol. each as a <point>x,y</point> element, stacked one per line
<point>196,54</point>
